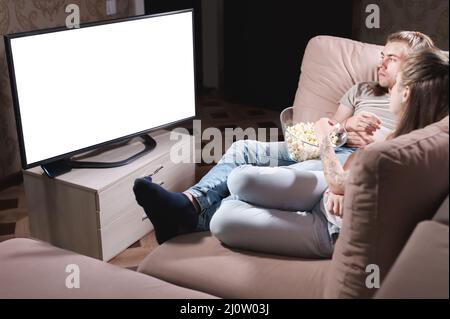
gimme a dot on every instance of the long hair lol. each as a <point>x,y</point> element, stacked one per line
<point>425,72</point>
<point>415,40</point>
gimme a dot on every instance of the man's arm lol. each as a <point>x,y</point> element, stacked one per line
<point>343,113</point>
<point>360,127</point>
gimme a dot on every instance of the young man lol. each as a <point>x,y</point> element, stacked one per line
<point>364,112</point>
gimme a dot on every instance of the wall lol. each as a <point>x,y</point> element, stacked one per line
<point>212,32</point>
<point>159,6</point>
<point>428,16</point>
<point>26,15</point>
<point>139,7</point>
<point>264,42</point>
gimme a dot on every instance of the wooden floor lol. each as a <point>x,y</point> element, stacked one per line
<point>213,113</point>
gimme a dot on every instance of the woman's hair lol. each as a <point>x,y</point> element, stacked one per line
<point>415,40</point>
<point>425,72</point>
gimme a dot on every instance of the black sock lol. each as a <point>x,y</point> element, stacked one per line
<point>170,213</point>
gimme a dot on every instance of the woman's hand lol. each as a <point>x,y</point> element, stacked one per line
<point>323,128</point>
<point>335,204</point>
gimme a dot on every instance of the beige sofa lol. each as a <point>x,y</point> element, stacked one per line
<point>393,187</point>
<point>395,217</point>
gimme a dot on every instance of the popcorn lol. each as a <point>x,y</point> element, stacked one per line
<point>302,141</point>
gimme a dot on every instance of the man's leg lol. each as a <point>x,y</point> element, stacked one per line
<point>174,213</point>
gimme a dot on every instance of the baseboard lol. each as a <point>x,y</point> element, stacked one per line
<point>11,180</point>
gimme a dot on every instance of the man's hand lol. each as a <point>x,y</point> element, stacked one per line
<point>363,122</point>
<point>335,204</point>
<point>359,139</point>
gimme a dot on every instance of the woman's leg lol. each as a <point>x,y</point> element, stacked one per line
<point>277,187</point>
<point>212,188</point>
<point>300,234</point>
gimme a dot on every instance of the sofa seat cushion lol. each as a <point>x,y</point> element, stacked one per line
<point>421,270</point>
<point>199,261</point>
<point>34,269</point>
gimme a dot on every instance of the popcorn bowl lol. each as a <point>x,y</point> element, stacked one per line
<point>301,140</point>
<point>286,119</point>
<point>300,145</point>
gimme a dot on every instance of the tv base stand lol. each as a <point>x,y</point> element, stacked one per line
<point>63,166</point>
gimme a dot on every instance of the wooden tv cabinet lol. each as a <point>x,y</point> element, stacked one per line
<point>94,211</point>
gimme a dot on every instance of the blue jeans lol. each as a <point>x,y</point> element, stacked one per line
<point>212,188</point>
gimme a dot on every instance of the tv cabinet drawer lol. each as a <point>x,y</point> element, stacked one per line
<point>119,198</point>
<point>123,224</point>
<point>123,232</point>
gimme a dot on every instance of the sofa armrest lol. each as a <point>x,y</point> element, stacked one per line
<point>37,270</point>
<point>421,270</point>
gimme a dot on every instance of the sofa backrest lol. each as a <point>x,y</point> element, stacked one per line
<point>392,187</point>
<point>330,67</point>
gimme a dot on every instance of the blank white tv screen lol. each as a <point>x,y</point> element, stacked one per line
<point>83,87</point>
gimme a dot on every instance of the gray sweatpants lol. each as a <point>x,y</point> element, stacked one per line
<point>274,210</point>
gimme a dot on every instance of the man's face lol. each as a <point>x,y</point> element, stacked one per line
<point>392,56</point>
<point>396,96</point>
<point>399,96</point>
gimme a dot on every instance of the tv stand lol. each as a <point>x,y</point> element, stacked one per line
<point>60,167</point>
<point>94,212</point>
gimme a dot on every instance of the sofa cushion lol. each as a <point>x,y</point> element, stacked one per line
<point>421,270</point>
<point>330,67</point>
<point>34,269</point>
<point>392,187</point>
<point>442,214</point>
<point>199,261</point>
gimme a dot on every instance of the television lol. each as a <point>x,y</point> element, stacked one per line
<point>79,89</point>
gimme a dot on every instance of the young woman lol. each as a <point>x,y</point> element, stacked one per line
<point>284,211</point>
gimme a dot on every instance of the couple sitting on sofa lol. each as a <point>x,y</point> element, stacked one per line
<point>295,210</point>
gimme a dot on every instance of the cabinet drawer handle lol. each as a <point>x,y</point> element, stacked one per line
<point>157,170</point>
<point>144,217</point>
